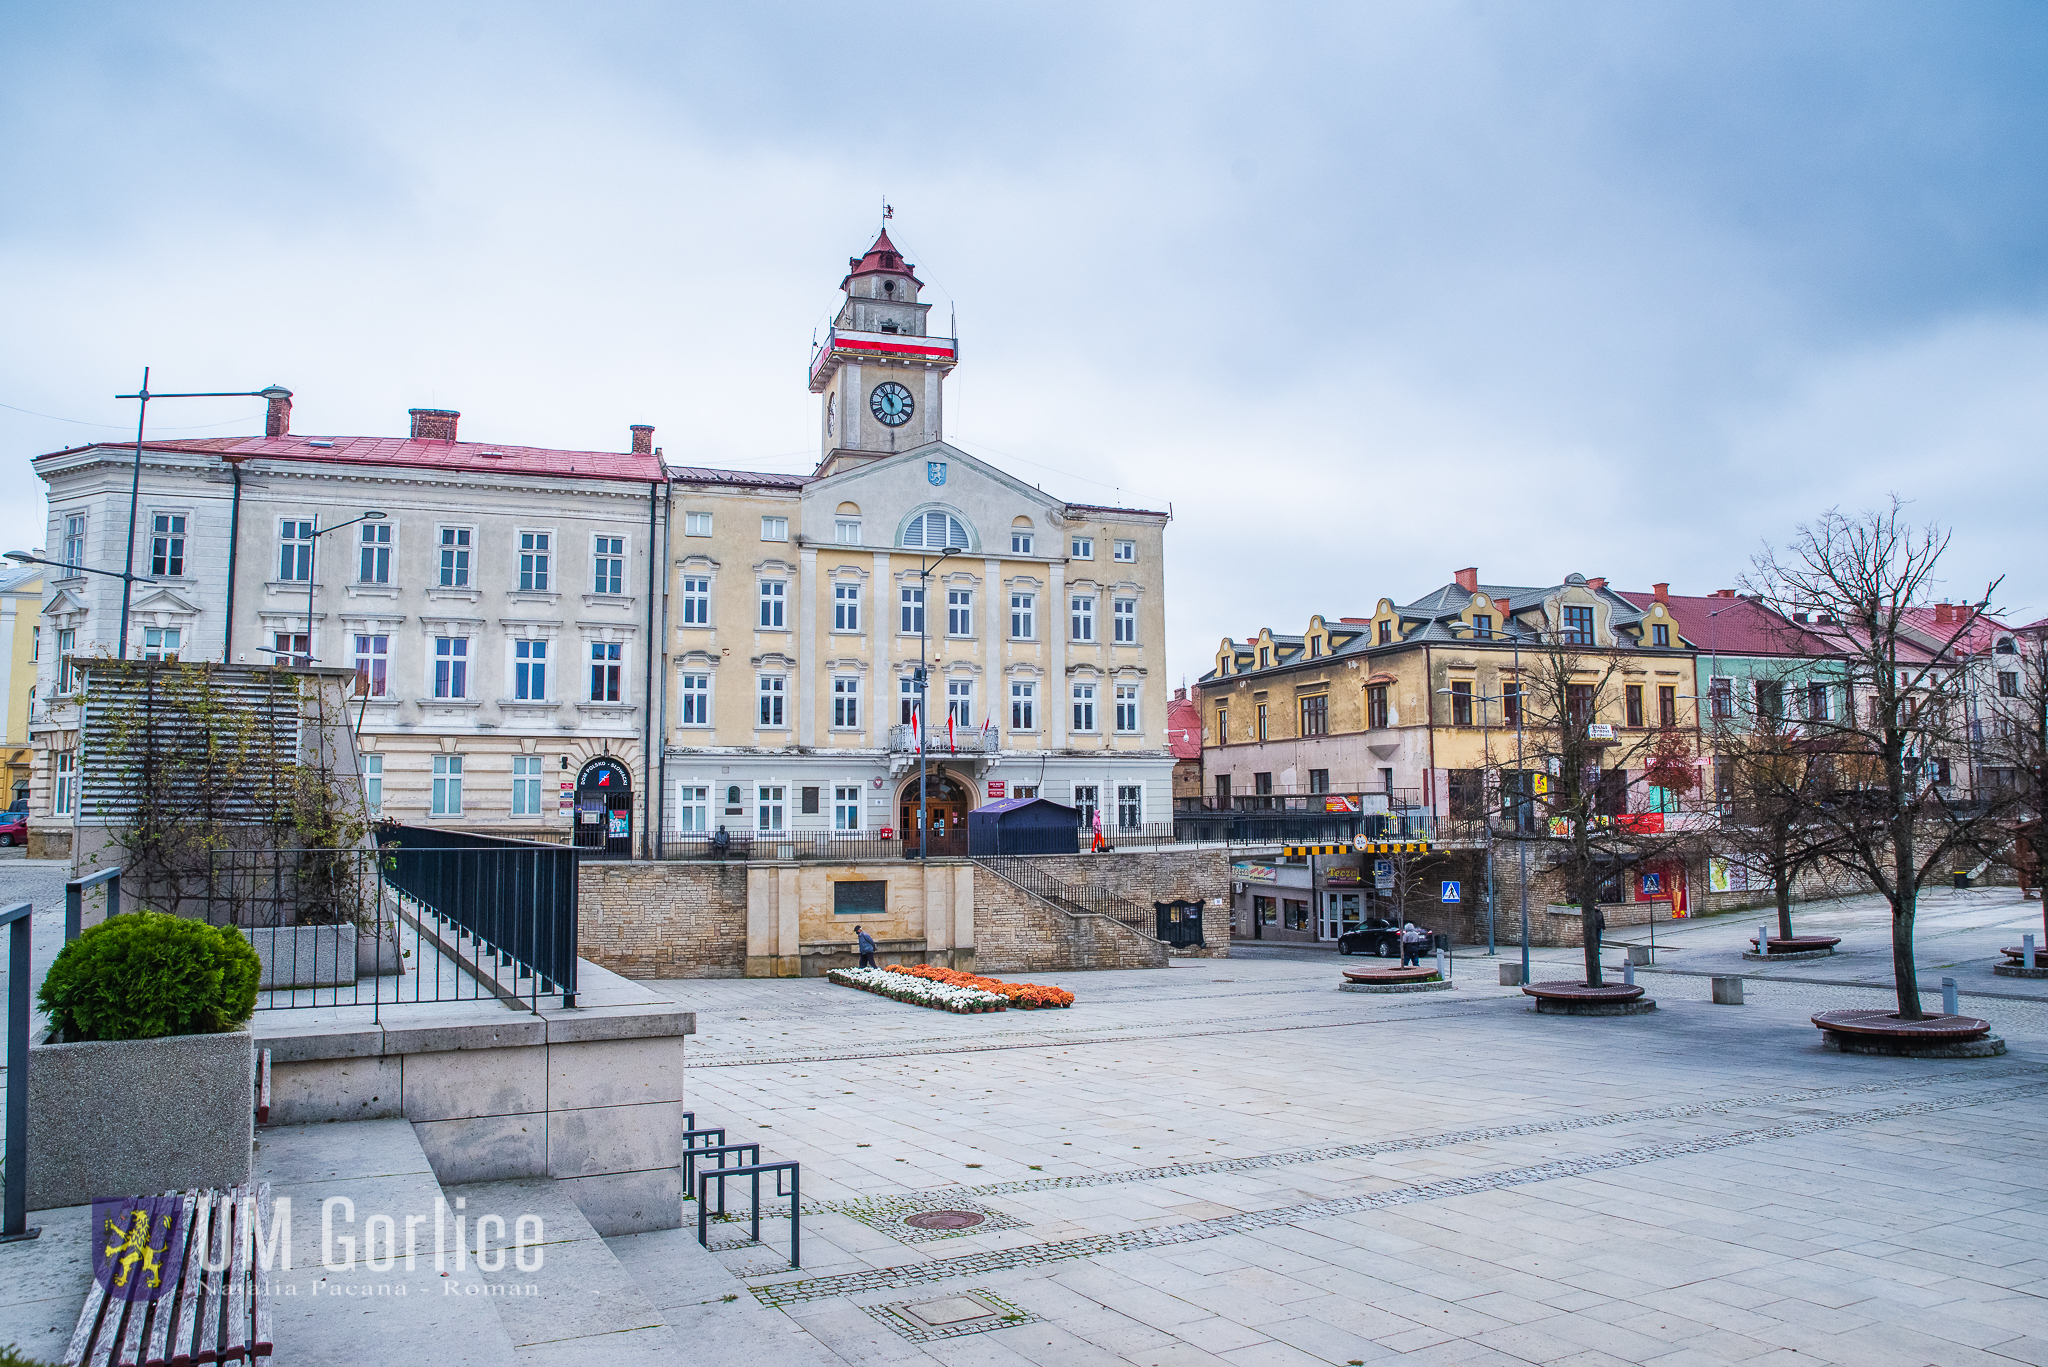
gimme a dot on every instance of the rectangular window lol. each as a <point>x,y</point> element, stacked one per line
<point>373,561</point>
<point>1578,626</point>
<point>1667,704</point>
<point>1386,633</point>
<point>1482,626</point>
<point>846,607</point>
<point>1084,707</point>
<point>161,643</point>
<point>530,671</point>
<point>1223,726</point>
<point>451,666</point>
<point>1315,715</point>
<point>696,600</point>
<point>167,546</point>
<point>373,783</point>
<point>846,703</point>
<point>696,524</point>
<point>1260,717</point>
<point>1084,617</point>
<point>1265,657</point>
<point>772,598</point>
<point>1660,635</point>
<point>959,612</point>
<point>1087,797</point>
<point>74,540</point>
<point>1023,706</point>
<point>1124,621</point>
<point>608,569</point>
<point>771,695</point>
<point>294,551</point>
<point>775,529</point>
<point>607,663</point>
<point>1127,708</point>
<point>447,785</point>
<point>526,785</point>
<point>693,809</point>
<point>1126,551</point>
<point>291,648</point>
<point>1262,785</point>
<point>1721,693</point>
<point>807,801</point>
<point>533,562</point>
<point>66,796</point>
<point>455,557</point>
<point>846,808</point>
<point>1223,789</point>
<point>911,601</point>
<point>960,703</point>
<point>373,660</point>
<point>1632,698</point>
<point>1376,705</point>
<point>1770,698</point>
<point>906,700</point>
<point>1315,647</point>
<point>1461,704</point>
<point>1023,627</point>
<point>1578,703</point>
<point>2008,685</point>
<point>768,800</point>
<point>1511,704</point>
<point>1020,543</point>
<point>1084,548</point>
<point>1319,780</point>
<point>846,531</point>
<point>67,670</point>
<point>696,692</point>
<point>1130,806</point>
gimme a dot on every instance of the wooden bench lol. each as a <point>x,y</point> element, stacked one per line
<point>2016,956</point>
<point>1390,975</point>
<point>1572,998</point>
<point>1882,1032</point>
<point>1798,945</point>
<point>200,1314</point>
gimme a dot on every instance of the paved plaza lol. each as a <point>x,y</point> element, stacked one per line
<point>1233,1162</point>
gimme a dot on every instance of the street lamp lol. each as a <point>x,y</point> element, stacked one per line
<point>129,577</point>
<point>312,568</point>
<point>924,607</point>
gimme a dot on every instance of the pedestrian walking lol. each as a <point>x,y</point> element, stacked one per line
<point>867,947</point>
<point>1414,939</point>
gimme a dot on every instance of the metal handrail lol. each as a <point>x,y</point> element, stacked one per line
<point>74,900</point>
<point>14,1207</point>
<point>1027,874</point>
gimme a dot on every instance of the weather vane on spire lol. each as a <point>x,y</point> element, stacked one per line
<point>887,212</point>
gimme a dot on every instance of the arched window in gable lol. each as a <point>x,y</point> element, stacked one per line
<point>936,531</point>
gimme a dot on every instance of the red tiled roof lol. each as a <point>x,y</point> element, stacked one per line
<point>419,454</point>
<point>1981,635</point>
<point>1184,728</point>
<point>1733,626</point>
<point>881,259</point>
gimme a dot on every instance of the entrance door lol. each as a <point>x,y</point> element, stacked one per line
<point>604,808</point>
<point>1340,914</point>
<point>948,800</point>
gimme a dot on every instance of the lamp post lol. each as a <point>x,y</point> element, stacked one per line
<point>143,396</point>
<point>127,577</point>
<point>312,567</point>
<point>924,607</point>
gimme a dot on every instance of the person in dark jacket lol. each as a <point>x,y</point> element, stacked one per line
<point>1414,939</point>
<point>867,947</point>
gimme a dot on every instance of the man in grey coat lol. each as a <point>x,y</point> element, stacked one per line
<point>867,947</point>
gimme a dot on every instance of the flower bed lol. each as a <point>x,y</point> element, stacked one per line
<point>1024,996</point>
<point>919,991</point>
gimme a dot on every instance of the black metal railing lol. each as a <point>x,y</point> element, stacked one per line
<point>74,899</point>
<point>822,846</point>
<point>1033,877</point>
<point>515,901</point>
<point>14,1204</point>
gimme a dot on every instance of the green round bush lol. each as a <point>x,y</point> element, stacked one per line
<point>145,975</point>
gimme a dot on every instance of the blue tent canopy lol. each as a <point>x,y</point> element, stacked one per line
<point>1023,825</point>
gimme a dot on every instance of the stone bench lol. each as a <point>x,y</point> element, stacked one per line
<point>1794,947</point>
<point>2016,965</point>
<point>189,1313</point>
<point>1392,980</point>
<point>1882,1032</point>
<point>1576,999</point>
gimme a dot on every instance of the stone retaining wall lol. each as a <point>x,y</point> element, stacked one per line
<point>667,920</point>
<point>1015,932</point>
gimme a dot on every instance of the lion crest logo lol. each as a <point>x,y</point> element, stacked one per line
<point>142,1250</point>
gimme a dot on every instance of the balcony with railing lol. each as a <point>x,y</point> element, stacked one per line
<point>963,740</point>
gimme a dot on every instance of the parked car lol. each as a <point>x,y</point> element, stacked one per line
<point>14,826</point>
<point>1379,938</point>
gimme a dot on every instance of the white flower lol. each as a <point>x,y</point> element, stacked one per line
<point>905,987</point>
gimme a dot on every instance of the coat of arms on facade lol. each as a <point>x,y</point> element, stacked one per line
<point>935,471</point>
<point>142,1251</point>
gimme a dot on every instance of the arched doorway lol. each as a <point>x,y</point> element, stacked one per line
<point>604,807</point>
<point>948,799</point>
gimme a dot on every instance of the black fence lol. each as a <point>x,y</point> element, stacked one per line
<point>516,903</point>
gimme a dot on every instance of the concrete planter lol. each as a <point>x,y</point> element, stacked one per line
<point>134,1117</point>
<point>305,956</point>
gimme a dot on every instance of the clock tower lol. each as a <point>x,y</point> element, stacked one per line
<point>881,374</point>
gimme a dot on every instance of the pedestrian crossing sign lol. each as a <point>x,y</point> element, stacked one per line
<point>1451,893</point>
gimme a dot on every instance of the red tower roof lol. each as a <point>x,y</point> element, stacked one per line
<point>882,259</point>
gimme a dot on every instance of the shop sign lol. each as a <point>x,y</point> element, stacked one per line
<point>1254,873</point>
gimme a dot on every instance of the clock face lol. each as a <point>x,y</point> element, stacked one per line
<point>891,404</point>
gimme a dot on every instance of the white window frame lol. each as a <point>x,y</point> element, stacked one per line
<point>527,773</point>
<point>171,538</point>
<point>960,612</point>
<point>371,662</point>
<point>1021,543</point>
<point>1024,705</point>
<point>910,604</point>
<point>846,808</point>
<point>846,531</point>
<point>452,657</point>
<point>771,693</point>
<point>771,808</point>
<point>64,782</point>
<point>1084,548</point>
<point>694,692</point>
<point>845,702</point>
<point>1081,618</point>
<point>608,672</point>
<point>908,699</point>
<point>162,643</point>
<point>613,552</point>
<point>1126,551</point>
<point>454,552</point>
<point>373,783</point>
<point>1123,621</point>
<point>374,544</point>
<point>1023,616</point>
<point>696,600</point>
<point>774,528</point>
<point>1130,802</point>
<point>295,538</point>
<point>1084,709</point>
<point>536,649</point>
<point>446,799</point>
<point>774,598</point>
<point>74,540</point>
<point>696,524</point>
<point>1127,718</point>
<point>693,808</point>
<point>846,608</point>
<point>536,557</point>
<point>67,672</point>
<point>960,703</point>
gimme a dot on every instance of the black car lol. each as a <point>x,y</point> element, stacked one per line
<point>1379,938</point>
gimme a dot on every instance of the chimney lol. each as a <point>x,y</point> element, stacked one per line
<point>1724,593</point>
<point>643,439</point>
<point>1180,695</point>
<point>433,424</point>
<point>1468,579</point>
<point>1596,584</point>
<point>278,421</point>
<point>1502,604</point>
<point>1660,593</point>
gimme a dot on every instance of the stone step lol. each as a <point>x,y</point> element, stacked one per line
<point>350,1313</point>
<point>689,1286</point>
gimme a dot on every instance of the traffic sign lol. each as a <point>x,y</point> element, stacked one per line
<point>1450,891</point>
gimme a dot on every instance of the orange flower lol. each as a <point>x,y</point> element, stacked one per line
<point>1028,996</point>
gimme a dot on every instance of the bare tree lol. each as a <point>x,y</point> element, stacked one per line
<point>1880,784</point>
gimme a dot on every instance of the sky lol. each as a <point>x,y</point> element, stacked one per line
<point>1364,293</point>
